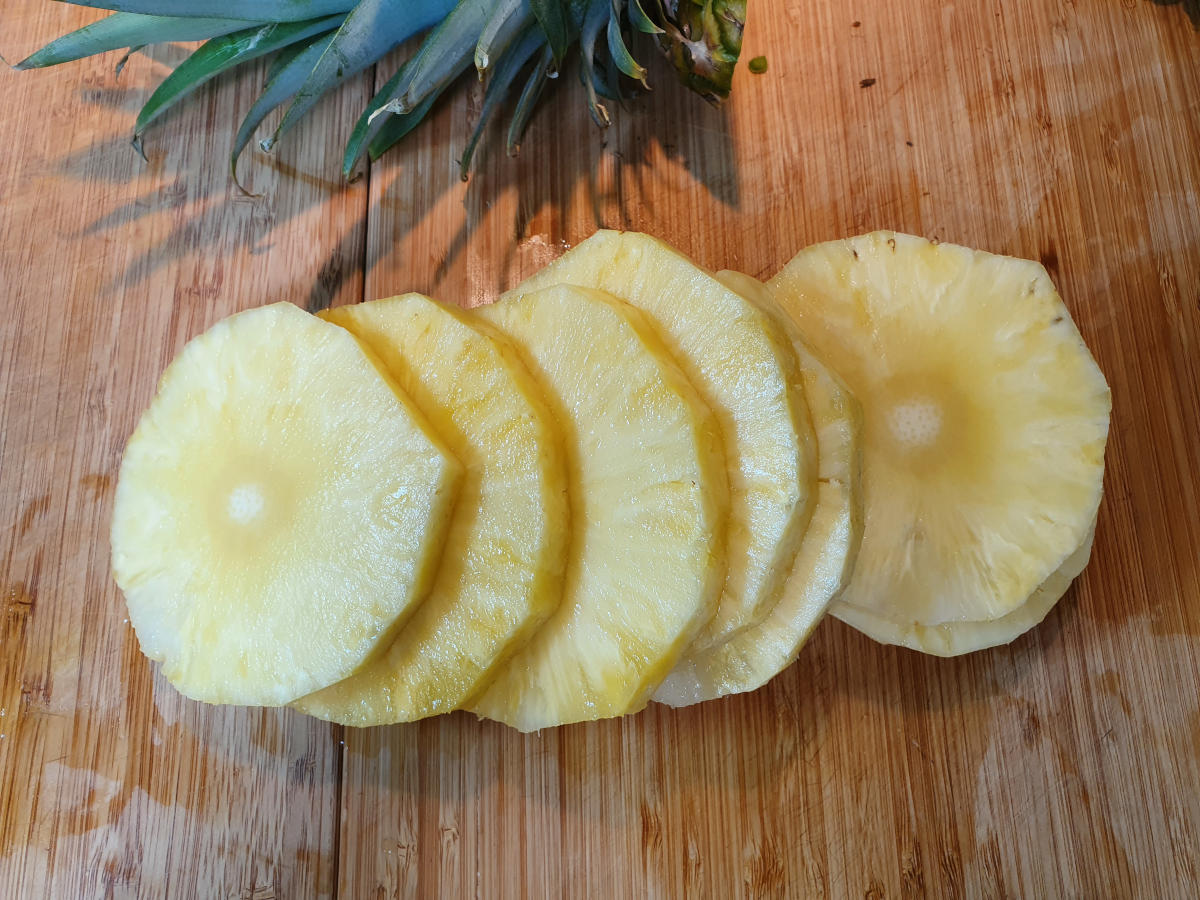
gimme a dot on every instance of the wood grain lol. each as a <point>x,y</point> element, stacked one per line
<point>1063,765</point>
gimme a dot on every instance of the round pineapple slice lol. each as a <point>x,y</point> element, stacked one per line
<point>985,424</point>
<point>753,656</point>
<point>956,638</point>
<point>501,571</point>
<point>277,511</point>
<point>648,498</point>
<point>743,368</point>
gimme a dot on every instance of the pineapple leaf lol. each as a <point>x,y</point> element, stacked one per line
<point>509,19</point>
<point>251,10</point>
<point>370,122</point>
<point>641,21</point>
<point>122,30</point>
<point>371,30</point>
<point>505,74</point>
<point>527,102</point>
<point>595,18</point>
<point>620,53</point>
<point>395,128</point>
<point>557,23</point>
<point>120,66</point>
<point>440,58</point>
<point>221,54</point>
<point>289,70</point>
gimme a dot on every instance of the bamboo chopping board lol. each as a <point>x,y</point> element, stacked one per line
<point>1066,764</point>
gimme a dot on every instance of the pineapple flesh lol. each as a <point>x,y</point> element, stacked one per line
<point>751,657</point>
<point>985,421</point>
<point>745,371</point>
<point>956,638</point>
<point>278,510</point>
<point>648,499</point>
<point>501,570</point>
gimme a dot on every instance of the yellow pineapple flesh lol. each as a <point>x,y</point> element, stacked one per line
<point>754,655</point>
<point>648,499</point>
<point>956,638</point>
<point>278,510</point>
<point>501,570</point>
<point>985,420</point>
<point>745,371</point>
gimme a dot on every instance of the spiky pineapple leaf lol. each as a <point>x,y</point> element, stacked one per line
<point>510,18</point>
<point>641,21</point>
<point>375,132</point>
<point>373,29</point>
<point>505,73</point>
<point>595,19</point>
<point>526,103</point>
<point>557,23</point>
<point>289,71</point>
<point>396,128</point>
<point>251,10</point>
<point>621,56</point>
<point>222,54</point>
<point>439,59</point>
<point>122,30</point>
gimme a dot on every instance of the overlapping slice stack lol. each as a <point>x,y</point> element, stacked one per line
<point>648,496</point>
<point>985,425</point>
<point>664,479</point>
<point>502,562</point>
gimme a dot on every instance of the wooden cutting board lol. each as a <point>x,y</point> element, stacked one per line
<point>1064,765</point>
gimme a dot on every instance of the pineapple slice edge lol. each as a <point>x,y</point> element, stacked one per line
<point>986,421</point>
<point>221,519</point>
<point>749,658</point>
<point>746,372</point>
<point>648,500</point>
<point>502,562</point>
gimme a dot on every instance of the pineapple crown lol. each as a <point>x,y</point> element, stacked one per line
<point>315,45</point>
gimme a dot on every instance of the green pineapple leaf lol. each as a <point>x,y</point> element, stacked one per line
<point>373,29</point>
<point>526,103</point>
<point>223,53</point>
<point>122,30</point>
<point>510,18</point>
<point>251,10</point>
<point>558,24</point>
<point>505,73</point>
<point>318,44</point>
<point>620,54</point>
<point>289,70</point>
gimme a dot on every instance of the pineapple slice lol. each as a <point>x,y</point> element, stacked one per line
<point>744,369</point>
<point>648,499</point>
<point>278,510</point>
<point>985,424</point>
<point>501,572</point>
<point>751,657</point>
<point>956,638</point>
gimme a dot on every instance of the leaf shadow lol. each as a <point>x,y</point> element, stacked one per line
<point>182,201</point>
<point>1190,7</point>
<point>570,174</point>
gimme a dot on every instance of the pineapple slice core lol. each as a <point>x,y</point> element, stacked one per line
<point>743,367</point>
<point>648,499</point>
<point>985,424</point>
<point>916,422</point>
<point>501,570</point>
<point>278,510</point>
<point>246,504</point>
